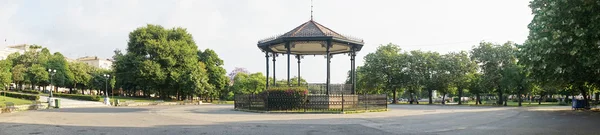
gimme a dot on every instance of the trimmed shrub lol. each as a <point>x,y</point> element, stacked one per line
<point>79,97</point>
<point>31,91</point>
<point>284,98</point>
<point>287,90</point>
<point>21,96</point>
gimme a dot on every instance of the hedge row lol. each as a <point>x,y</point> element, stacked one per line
<point>285,98</point>
<point>31,91</point>
<point>21,96</point>
<point>287,90</point>
<point>79,97</point>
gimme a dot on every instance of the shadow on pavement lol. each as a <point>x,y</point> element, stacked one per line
<point>219,129</point>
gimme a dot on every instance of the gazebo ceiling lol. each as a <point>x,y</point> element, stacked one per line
<point>310,38</point>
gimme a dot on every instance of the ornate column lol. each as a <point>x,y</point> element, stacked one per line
<point>328,54</point>
<point>353,69</point>
<point>267,61</point>
<point>274,79</point>
<point>287,45</point>
<point>299,57</point>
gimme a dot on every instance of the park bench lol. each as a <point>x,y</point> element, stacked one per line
<point>10,107</point>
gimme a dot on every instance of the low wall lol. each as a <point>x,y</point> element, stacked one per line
<point>312,102</point>
<point>25,108</point>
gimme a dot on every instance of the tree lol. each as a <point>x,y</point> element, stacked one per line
<point>386,67</point>
<point>493,59</point>
<point>365,83</point>
<point>563,42</point>
<point>476,86</point>
<point>126,77</point>
<point>63,76</point>
<point>5,75</point>
<point>169,54</point>
<point>423,64</point>
<point>461,69</point>
<point>234,72</point>
<point>37,75</point>
<point>249,83</point>
<point>19,73</point>
<point>81,75</point>
<point>214,68</point>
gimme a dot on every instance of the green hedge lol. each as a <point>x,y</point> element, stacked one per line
<point>31,91</point>
<point>21,96</point>
<point>285,98</point>
<point>79,97</point>
<point>287,90</point>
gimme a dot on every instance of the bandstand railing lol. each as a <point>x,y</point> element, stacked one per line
<point>310,102</point>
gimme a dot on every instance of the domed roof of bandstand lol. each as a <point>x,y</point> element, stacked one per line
<point>310,38</point>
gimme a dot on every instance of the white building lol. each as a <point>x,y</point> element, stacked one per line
<point>4,52</point>
<point>96,62</point>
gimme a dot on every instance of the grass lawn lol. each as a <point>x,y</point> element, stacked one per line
<point>525,104</point>
<point>510,103</point>
<point>222,102</point>
<point>17,101</point>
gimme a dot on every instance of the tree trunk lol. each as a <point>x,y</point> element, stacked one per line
<point>430,95</point>
<point>500,99</point>
<point>412,99</point>
<point>460,95</point>
<point>597,96</point>
<point>477,99</point>
<point>395,100</point>
<point>505,100</point>
<point>540,100</point>
<point>443,99</point>
<point>519,98</point>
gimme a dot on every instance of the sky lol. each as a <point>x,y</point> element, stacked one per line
<point>78,28</point>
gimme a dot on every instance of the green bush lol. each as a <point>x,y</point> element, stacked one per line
<point>21,96</point>
<point>31,91</point>
<point>79,97</point>
<point>285,98</point>
<point>287,90</point>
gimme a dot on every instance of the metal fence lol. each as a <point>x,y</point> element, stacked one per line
<point>310,102</point>
<point>321,88</point>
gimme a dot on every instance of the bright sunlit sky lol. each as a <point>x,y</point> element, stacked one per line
<point>232,27</point>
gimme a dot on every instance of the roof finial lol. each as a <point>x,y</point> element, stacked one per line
<point>311,10</point>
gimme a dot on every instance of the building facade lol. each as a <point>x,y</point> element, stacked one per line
<point>96,62</point>
<point>4,52</point>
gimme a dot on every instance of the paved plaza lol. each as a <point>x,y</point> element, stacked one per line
<point>220,119</point>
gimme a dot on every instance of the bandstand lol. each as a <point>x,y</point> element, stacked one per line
<point>311,38</point>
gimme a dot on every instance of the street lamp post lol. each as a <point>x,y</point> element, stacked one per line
<point>106,99</point>
<point>52,72</point>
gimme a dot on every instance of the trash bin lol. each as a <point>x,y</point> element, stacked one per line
<point>56,103</point>
<point>116,102</point>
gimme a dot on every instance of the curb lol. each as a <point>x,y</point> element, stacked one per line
<point>20,108</point>
<point>345,112</point>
